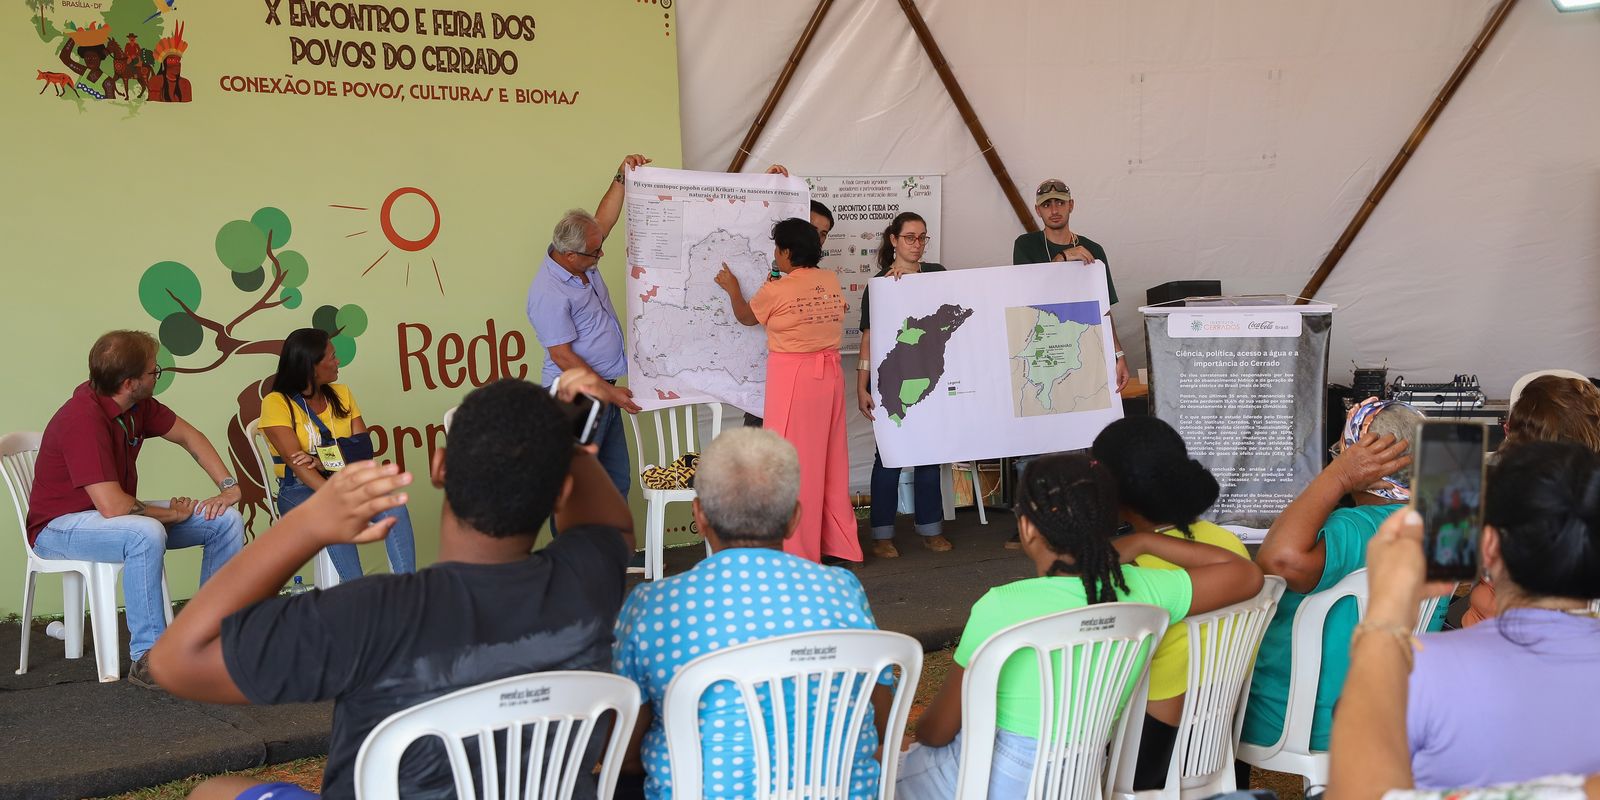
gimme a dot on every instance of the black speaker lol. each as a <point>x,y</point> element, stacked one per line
<point>1177,290</point>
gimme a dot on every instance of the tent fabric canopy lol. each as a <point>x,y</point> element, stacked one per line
<point>1225,139</point>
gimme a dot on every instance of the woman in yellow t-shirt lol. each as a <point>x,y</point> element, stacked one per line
<point>1162,490</point>
<point>304,415</point>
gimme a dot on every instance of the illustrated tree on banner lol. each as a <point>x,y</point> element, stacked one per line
<point>250,250</point>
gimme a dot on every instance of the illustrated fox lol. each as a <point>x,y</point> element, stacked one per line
<point>61,80</point>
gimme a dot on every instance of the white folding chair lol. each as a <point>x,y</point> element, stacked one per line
<point>676,430</point>
<point>323,573</point>
<point>829,676</point>
<point>1292,752</point>
<point>449,415</point>
<point>1104,652</point>
<point>1222,650</point>
<point>557,712</point>
<point>96,580</point>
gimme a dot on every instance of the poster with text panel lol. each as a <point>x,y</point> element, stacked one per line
<point>1245,387</point>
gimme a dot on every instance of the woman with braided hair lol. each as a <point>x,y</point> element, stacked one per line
<point>1161,490</point>
<point>1067,521</point>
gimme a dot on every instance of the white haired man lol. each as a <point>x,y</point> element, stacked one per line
<point>747,485</point>
<point>572,315</point>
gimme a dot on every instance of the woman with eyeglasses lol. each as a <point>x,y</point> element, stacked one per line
<point>306,416</point>
<point>899,253</point>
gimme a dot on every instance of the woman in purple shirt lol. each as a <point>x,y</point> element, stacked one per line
<point>1518,696</point>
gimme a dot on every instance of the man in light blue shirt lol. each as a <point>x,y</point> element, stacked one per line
<point>572,314</point>
<point>749,589</point>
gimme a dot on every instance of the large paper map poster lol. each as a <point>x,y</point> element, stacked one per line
<point>684,344</point>
<point>988,363</point>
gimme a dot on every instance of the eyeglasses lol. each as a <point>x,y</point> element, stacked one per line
<point>157,371</point>
<point>1052,186</point>
<point>598,252</point>
<point>914,239</point>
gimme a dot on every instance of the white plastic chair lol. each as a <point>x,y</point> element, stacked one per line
<point>1292,752</point>
<point>947,481</point>
<point>830,676</point>
<point>449,416</point>
<point>557,712</point>
<point>676,430</point>
<point>323,573</point>
<point>1222,651</point>
<point>94,580</point>
<point>1084,724</point>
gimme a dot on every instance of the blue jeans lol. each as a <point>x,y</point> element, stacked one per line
<point>886,499</point>
<point>614,450</point>
<point>141,544</point>
<point>930,773</point>
<point>401,542</point>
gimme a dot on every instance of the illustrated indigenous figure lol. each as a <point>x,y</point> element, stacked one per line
<point>169,85</point>
<point>90,43</point>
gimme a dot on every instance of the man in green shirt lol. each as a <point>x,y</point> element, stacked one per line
<point>1057,242</point>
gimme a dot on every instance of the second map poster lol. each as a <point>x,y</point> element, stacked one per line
<point>989,363</point>
<point>684,345</point>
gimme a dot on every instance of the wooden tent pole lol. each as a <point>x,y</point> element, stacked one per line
<point>799,52</point>
<point>1406,151</point>
<point>1023,210</point>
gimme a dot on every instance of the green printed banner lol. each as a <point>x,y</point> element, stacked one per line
<point>222,173</point>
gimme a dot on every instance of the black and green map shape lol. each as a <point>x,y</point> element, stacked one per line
<point>916,362</point>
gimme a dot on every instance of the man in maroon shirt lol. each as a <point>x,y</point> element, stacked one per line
<point>84,503</point>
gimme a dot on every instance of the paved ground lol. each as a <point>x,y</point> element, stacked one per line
<point>67,736</point>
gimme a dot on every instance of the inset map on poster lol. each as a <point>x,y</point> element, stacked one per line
<point>987,363</point>
<point>1055,367</point>
<point>684,345</point>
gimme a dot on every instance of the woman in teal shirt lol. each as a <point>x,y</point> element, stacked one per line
<point>1067,518</point>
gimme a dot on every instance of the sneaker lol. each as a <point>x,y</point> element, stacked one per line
<point>884,548</point>
<point>139,674</point>
<point>1015,542</point>
<point>937,543</point>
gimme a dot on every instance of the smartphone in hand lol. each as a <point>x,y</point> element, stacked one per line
<point>586,417</point>
<point>1447,490</point>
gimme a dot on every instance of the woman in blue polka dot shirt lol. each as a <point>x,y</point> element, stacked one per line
<point>749,589</point>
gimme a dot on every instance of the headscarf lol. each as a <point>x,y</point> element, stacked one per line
<point>1356,424</point>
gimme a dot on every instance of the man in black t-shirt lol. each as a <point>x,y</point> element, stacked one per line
<point>1057,242</point>
<point>488,609</point>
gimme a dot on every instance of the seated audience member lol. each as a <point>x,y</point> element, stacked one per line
<point>306,416</point>
<point>1531,670</point>
<point>1068,518</point>
<point>1559,407</point>
<point>1386,700</point>
<point>1314,544</point>
<point>85,503</point>
<point>747,486</point>
<point>1161,490</point>
<point>489,609</point>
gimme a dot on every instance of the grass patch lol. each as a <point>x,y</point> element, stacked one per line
<point>305,773</point>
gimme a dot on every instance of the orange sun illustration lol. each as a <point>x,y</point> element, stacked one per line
<point>412,211</point>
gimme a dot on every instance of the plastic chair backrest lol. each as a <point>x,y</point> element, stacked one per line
<point>1104,652</point>
<point>677,431</point>
<point>1222,651</point>
<point>829,677</point>
<point>449,416</point>
<point>557,711</point>
<point>1305,655</point>
<point>18,452</point>
<point>269,476</point>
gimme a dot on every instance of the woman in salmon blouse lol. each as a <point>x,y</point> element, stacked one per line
<point>803,310</point>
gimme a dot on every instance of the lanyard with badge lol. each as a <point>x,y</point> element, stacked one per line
<point>322,440</point>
